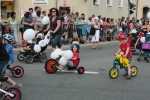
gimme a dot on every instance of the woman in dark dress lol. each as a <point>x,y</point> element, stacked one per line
<point>55,28</point>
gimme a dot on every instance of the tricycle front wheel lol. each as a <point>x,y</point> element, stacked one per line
<point>113,73</point>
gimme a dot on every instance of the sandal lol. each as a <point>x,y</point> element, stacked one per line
<point>93,47</point>
<point>100,46</point>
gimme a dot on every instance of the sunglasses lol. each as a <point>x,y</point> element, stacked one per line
<point>53,11</point>
<point>146,21</point>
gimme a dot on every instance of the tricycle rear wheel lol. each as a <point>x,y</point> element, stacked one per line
<point>134,71</point>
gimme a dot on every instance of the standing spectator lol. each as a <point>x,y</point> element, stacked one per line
<point>95,38</point>
<point>70,27</point>
<point>13,22</point>
<point>123,25</point>
<point>83,16</point>
<point>64,25</point>
<point>105,28</point>
<point>88,27</point>
<point>101,27</point>
<point>131,25</point>
<point>56,28</point>
<point>44,13</point>
<point>31,11</point>
<point>27,21</point>
<point>79,27</point>
<point>113,25</point>
<point>77,13</point>
<point>93,19</point>
<point>38,19</point>
<point>36,9</point>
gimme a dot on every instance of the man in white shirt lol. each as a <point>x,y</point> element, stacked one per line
<point>36,9</point>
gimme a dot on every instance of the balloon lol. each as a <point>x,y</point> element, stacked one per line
<point>63,52</point>
<point>37,48</point>
<point>63,61</point>
<point>54,55</point>
<point>45,20</point>
<point>68,54</point>
<point>42,43</point>
<point>142,39</point>
<point>29,34</point>
<point>59,51</point>
<point>134,31</point>
<point>148,15</point>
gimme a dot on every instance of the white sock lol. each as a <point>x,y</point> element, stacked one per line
<point>14,84</point>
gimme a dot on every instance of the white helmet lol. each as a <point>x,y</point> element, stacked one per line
<point>8,37</point>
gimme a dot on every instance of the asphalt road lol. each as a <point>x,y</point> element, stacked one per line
<point>38,85</point>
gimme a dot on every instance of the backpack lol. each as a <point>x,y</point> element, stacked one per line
<point>92,31</point>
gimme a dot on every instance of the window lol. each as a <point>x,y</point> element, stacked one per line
<point>7,6</point>
<point>109,2</point>
<point>96,2</point>
<point>40,1</point>
<point>120,3</point>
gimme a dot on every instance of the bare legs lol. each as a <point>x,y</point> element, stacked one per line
<point>93,46</point>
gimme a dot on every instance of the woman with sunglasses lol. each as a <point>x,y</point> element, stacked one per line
<point>146,26</point>
<point>55,28</point>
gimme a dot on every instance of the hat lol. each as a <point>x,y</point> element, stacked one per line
<point>96,18</point>
<point>123,36</point>
<point>29,41</point>
<point>75,44</point>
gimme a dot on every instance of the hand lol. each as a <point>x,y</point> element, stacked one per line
<point>124,56</point>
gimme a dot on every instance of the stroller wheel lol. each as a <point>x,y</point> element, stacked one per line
<point>139,59</point>
<point>148,60</point>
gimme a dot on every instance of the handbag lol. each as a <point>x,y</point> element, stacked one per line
<point>21,26</point>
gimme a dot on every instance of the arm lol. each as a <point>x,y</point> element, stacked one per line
<point>23,22</point>
<point>73,58</point>
<point>127,51</point>
<point>48,27</point>
<point>34,20</point>
<point>118,51</point>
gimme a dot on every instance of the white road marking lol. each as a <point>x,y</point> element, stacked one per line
<point>74,71</point>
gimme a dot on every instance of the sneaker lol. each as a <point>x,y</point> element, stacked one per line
<point>128,77</point>
<point>126,74</point>
<point>18,85</point>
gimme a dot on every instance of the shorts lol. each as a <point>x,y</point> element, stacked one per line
<point>56,41</point>
<point>65,29</point>
<point>130,59</point>
<point>104,31</point>
<point>69,64</point>
<point>3,66</point>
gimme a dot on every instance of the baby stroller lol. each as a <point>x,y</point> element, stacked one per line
<point>34,55</point>
<point>134,40</point>
<point>31,55</point>
<point>146,49</point>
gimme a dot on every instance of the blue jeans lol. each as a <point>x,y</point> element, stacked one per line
<point>3,65</point>
<point>56,41</point>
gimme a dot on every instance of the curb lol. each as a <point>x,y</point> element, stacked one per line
<point>82,45</point>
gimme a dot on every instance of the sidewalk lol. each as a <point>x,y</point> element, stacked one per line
<point>49,46</point>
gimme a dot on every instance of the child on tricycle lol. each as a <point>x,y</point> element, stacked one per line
<point>126,52</point>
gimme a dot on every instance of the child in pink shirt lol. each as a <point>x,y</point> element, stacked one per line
<point>131,25</point>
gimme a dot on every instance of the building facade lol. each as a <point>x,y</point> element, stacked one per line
<point>143,8</point>
<point>106,8</point>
